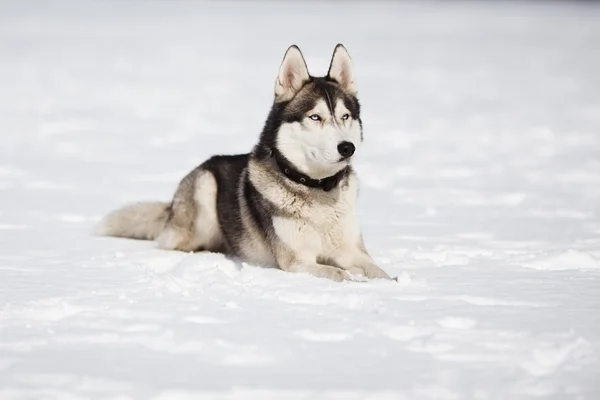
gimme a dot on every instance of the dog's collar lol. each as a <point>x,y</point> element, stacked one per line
<point>293,174</point>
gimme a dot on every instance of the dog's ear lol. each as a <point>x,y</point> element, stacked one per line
<point>341,69</point>
<point>293,74</point>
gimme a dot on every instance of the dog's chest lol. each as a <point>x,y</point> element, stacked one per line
<point>326,222</point>
<point>326,217</point>
<point>310,220</point>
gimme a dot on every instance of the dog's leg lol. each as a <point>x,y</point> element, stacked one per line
<point>296,246</point>
<point>193,224</point>
<point>358,261</point>
<point>315,269</point>
<point>302,259</point>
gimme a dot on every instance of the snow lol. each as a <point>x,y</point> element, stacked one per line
<point>480,190</point>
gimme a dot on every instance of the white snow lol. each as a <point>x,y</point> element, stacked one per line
<point>480,189</point>
<point>570,259</point>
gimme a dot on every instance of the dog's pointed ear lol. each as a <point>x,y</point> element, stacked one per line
<point>341,69</point>
<point>293,74</point>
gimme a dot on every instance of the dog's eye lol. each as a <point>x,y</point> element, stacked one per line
<point>345,116</point>
<point>315,117</point>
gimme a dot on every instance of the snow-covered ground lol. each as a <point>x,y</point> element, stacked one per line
<point>480,190</point>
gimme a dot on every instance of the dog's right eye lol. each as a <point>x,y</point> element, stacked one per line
<point>315,117</point>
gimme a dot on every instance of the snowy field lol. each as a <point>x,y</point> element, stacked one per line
<point>480,190</point>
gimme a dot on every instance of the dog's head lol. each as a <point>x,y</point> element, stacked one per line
<point>315,121</point>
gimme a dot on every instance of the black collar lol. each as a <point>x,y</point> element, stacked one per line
<point>293,174</point>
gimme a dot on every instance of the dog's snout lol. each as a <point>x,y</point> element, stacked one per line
<point>346,149</point>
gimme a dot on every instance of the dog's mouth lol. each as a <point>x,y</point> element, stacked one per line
<point>326,160</point>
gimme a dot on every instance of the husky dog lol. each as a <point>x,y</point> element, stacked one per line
<point>290,203</point>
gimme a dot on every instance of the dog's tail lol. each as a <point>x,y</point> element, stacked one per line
<point>135,221</point>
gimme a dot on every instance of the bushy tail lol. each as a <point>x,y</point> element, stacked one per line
<point>135,221</point>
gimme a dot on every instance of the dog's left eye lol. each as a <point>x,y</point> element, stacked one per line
<point>345,116</point>
<point>315,117</point>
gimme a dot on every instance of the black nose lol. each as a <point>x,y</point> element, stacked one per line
<point>346,149</point>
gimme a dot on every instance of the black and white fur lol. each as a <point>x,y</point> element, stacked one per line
<point>288,204</point>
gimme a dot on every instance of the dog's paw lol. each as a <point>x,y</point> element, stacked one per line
<point>357,271</point>
<point>332,273</point>
<point>369,272</point>
<point>338,275</point>
<point>374,272</point>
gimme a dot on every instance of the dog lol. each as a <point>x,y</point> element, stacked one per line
<point>290,202</point>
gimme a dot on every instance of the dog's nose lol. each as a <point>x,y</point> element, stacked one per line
<point>346,149</point>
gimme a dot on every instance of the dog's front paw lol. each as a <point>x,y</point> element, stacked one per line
<point>357,271</point>
<point>336,274</point>
<point>370,272</point>
<point>374,272</point>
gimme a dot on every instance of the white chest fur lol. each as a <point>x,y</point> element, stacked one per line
<point>319,223</point>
